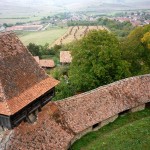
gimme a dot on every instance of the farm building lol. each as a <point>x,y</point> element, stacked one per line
<point>25,28</point>
<point>45,63</point>
<point>24,87</point>
<point>65,57</point>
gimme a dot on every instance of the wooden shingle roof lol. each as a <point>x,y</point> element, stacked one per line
<point>21,78</point>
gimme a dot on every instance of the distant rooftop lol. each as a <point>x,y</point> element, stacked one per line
<point>65,57</point>
<point>25,27</point>
<point>45,63</point>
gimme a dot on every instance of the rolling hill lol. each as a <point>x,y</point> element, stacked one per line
<point>28,8</point>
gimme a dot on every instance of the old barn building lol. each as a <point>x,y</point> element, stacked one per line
<point>24,87</point>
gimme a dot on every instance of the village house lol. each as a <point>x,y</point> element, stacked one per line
<point>147,21</point>
<point>45,63</point>
<point>24,86</point>
<point>65,57</point>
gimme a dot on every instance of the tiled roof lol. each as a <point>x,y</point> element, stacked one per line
<point>65,57</point>
<point>16,103</point>
<point>87,109</point>
<point>21,78</point>
<point>47,63</point>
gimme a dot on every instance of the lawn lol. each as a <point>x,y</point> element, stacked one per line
<point>42,37</point>
<point>128,132</point>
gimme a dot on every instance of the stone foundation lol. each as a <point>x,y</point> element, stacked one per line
<point>79,135</point>
<point>139,108</point>
<point>107,121</point>
<point>97,127</point>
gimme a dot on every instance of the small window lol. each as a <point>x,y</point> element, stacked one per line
<point>95,125</point>
<point>147,105</point>
<point>124,112</point>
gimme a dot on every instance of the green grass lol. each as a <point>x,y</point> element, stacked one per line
<point>42,37</point>
<point>128,132</point>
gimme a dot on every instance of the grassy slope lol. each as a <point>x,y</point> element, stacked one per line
<point>42,37</point>
<point>129,132</point>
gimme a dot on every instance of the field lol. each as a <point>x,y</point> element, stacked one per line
<point>42,37</point>
<point>75,33</point>
<point>14,20</point>
<point>56,35</point>
<point>129,132</point>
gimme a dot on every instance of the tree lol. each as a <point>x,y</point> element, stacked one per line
<point>136,52</point>
<point>146,40</point>
<point>64,89</point>
<point>96,61</point>
<point>34,49</point>
<point>39,50</point>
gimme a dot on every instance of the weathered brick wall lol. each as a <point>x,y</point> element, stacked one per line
<point>61,123</point>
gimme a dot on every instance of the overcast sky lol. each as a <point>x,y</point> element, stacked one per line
<point>68,1</point>
<point>68,4</point>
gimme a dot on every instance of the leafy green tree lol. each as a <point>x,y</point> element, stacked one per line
<point>34,49</point>
<point>64,89</point>
<point>146,40</point>
<point>39,50</point>
<point>96,61</point>
<point>121,29</point>
<point>136,52</point>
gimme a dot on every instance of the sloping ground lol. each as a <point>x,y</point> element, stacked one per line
<point>75,33</point>
<point>128,132</point>
<point>42,37</point>
<point>61,121</point>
